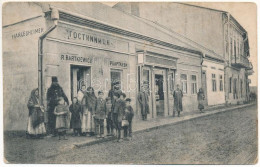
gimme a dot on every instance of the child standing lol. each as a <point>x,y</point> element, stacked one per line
<point>110,127</point>
<point>62,113</point>
<point>75,122</point>
<point>119,110</point>
<point>125,123</point>
<point>129,109</point>
<point>100,115</point>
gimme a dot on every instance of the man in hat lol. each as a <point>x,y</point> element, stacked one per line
<point>177,95</point>
<point>53,94</point>
<point>144,100</point>
<point>114,90</point>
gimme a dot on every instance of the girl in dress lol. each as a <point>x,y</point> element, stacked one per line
<point>36,127</point>
<point>62,118</point>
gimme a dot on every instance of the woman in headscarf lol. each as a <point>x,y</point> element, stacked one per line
<point>200,97</point>
<point>35,127</point>
<point>88,103</point>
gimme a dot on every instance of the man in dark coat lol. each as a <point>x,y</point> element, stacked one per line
<point>177,95</point>
<point>112,91</point>
<point>144,101</point>
<point>53,94</point>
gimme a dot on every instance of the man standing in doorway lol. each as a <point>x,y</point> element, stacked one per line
<point>53,94</point>
<point>177,95</point>
<point>143,100</point>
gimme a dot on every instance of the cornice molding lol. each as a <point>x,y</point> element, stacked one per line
<point>66,17</point>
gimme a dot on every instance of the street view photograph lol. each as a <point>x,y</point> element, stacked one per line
<point>130,83</point>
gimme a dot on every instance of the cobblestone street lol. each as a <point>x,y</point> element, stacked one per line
<point>225,138</point>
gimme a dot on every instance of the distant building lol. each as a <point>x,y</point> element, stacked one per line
<point>221,39</point>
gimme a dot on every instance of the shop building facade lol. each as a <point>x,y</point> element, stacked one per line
<point>85,44</point>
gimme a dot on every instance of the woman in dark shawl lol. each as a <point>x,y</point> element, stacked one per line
<point>89,102</point>
<point>36,127</point>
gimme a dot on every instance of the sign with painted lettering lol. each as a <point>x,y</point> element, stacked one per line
<point>118,64</point>
<point>27,33</point>
<point>92,60</point>
<point>92,38</point>
<point>67,57</point>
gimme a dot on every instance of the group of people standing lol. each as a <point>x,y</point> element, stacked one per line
<point>87,113</point>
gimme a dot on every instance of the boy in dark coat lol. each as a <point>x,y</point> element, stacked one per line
<point>100,115</point>
<point>75,122</point>
<point>118,113</point>
<point>129,109</point>
<point>110,127</point>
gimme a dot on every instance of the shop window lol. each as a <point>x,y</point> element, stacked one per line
<point>116,76</point>
<point>171,80</point>
<point>146,79</point>
<point>214,84</point>
<point>193,84</point>
<point>221,83</point>
<point>230,85</point>
<point>184,83</point>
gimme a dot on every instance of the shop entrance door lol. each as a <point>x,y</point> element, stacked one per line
<point>80,75</point>
<point>159,95</point>
<point>160,92</point>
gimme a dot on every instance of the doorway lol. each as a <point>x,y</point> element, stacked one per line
<point>79,75</point>
<point>159,94</point>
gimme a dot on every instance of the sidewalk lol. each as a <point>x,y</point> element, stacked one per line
<point>17,146</point>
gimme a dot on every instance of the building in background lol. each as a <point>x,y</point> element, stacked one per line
<point>221,39</point>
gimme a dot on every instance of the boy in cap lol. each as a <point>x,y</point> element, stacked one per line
<point>100,115</point>
<point>118,114</point>
<point>130,114</point>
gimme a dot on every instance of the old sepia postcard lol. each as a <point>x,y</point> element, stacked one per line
<point>129,83</point>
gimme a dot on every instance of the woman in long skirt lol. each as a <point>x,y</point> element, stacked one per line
<point>35,127</point>
<point>88,103</point>
<point>200,97</point>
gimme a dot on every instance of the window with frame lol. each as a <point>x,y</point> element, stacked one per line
<point>230,85</point>
<point>193,84</point>
<point>116,76</point>
<point>214,84</point>
<point>221,83</point>
<point>231,47</point>
<point>184,84</point>
<point>241,88</point>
